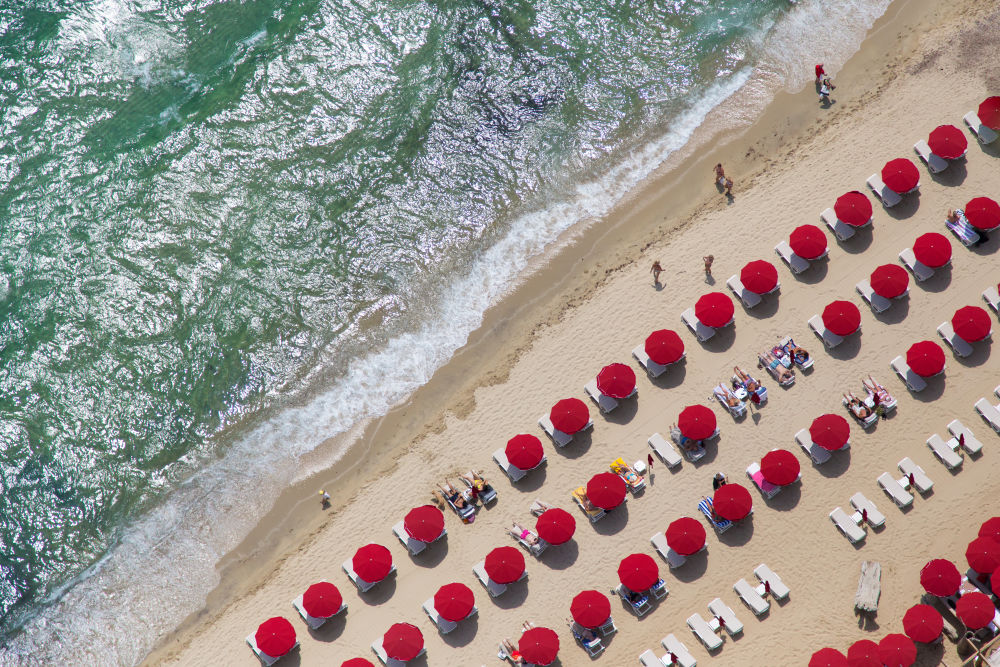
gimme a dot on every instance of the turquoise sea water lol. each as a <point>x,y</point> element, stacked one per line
<point>231,229</point>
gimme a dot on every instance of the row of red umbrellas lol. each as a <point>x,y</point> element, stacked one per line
<point>894,650</point>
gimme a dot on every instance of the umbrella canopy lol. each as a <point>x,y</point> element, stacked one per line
<point>569,415</point>
<point>828,657</point>
<point>897,650</point>
<point>854,208</point>
<point>900,175</point>
<point>372,562</point>
<point>275,637</point>
<point>807,241</point>
<point>524,451</point>
<point>686,536</point>
<point>842,317</point>
<point>504,565</point>
<point>971,323</point>
<point>454,602</point>
<point>991,528</point>
<point>424,523</point>
<point>925,358</point>
<point>829,431</point>
<point>714,309</point>
<point>590,608</point>
<point>616,381</point>
<point>947,141</point>
<point>995,582</point>
<point>932,249</point>
<point>983,554</point>
<point>357,662</point>
<point>779,467</point>
<point>638,572</point>
<point>940,577</point>
<point>402,641</point>
<point>983,213</point>
<point>555,526</point>
<point>922,623</point>
<point>889,281</point>
<point>664,346</point>
<point>606,490</point>
<point>539,646</point>
<point>863,653</point>
<point>975,609</point>
<point>732,501</point>
<point>696,422</point>
<point>322,600</point>
<point>989,112</point>
<point>759,276</point>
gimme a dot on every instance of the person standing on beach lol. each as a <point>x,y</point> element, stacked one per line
<point>656,270</point>
<point>725,183</point>
<point>708,265</point>
<point>820,72</point>
<point>824,91</point>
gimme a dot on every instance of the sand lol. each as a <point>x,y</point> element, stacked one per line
<point>562,337</point>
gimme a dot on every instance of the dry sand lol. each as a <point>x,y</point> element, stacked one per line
<point>879,114</point>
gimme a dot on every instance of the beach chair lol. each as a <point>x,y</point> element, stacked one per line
<point>559,438</point>
<point>603,401</point>
<point>788,381</point>
<point>700,331</point>
<point>595,514</point>
<point>913,382</point>
<point>841,230</point>
<point>895,490</point>
<point>850,529</point>
<point>609,627</point>
<point>948,456</point>
<point>766,575</point>
<point>513,473</point>
<point>648,659</point>
<point>818,455</point>
<point>935,164</point>
<point>693,450</point>
<point>989,413</point>
<point>312,621</point>
<point>593,647</point>
<point>921,481</point>
<point>721,393</point>
<point>264,658</point>
<point>984,134</point>
<point>653,369</point>
<point>362,585</point>
<point>992,297</point>
<point>751,598</point>
<point>964,437</point>
<point>882,192</point>
<point>921,272</point>
<point>957,345</point>
<point>749,299</point>
<point>488,494</point>
<point>722,610</point>
<point>721,525</point>
<point>443,626</point>
<point>875,518</point>
<point>379,651</point>
<point>640,607</point>
<point>795,263</point>
<point>766,489</point>
<point>536,549</point>
<point>633,480</point>
<point>886,400</point>
<point>704,632</point>
<point>878,304</point>
<point>786,344</point>
<point>659,590</point>
<point>677,647</point>
<point>867,422</point>
<point>412,545</point>
<point>962,230</point>
<point>829,338</point>
<point>664,450</point>
<point>674,559</point>
<point>492,587</point>
<point>761,390</point>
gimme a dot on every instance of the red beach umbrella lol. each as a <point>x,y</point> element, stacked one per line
<point>900,175</point>
<point>759,276</point>
<point>569,415</point>
<point>922,623</point>
<point>524,451</point>
<point>357,662</point>
<point>947,141</point>
<point>779,467</point>
<point>983,554</point>
<point>686,536</point>
<point>807,241</point>
<point>616,381</point>
<point>732,501</point>
<point>696,422</point>
<point>402,641</point>
<point>983,213</point>
<point>372,562</point>
<point>275,637</point>
<point>889,281</point>
<point>590,608</point>
<point>829,431</point>
<point>995,581</point>
<point>638,572</point>
<point>940,577</point>
<point>664,346</point>
<point>424,523</point>
<point>991,528</point>
<point>606,490</point>
<point>714,309</point>
<point>454,602</point>
<point>975,609</point>
<point>925,358</point>
<point>322,600</point>
<point>539,646</point>
<point>828,657</point>
<point>932,249</point>
<point>971,323</point>
<point>989,112</point>
<point>504,565</point>
<point>842,317</point>
<point>556,526</point>
<point>854,208</point>
<point>897,650</point>
<point>863,653</point>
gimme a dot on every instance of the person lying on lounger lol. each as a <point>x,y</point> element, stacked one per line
<point>687,443</point>
<point>879,393</point>
<point>477,483</point>
<point>583,634</point>
<point>523,534</point>
<point>581,495</point>
<point>722,391</point>
<point>507,647</point>
<point>748,382</point>
<point>775,365</point>
<point>857,408</point>
<point>453,496</point>
<point>630,476</point>
<point>715,515</point>
<point>799,354</point>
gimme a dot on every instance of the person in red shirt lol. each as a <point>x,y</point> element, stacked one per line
<point>820,72</point>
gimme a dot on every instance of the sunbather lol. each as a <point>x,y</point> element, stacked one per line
<point>523,534</point>
<point>581,495</point>
<point>748,382</point>
<point>583,634</point>
<point>798,354</point>
<point>538,508</point>
<point>776,367</point>
<point>527,625</point>
<point>630,476</point>
<point>477,483</point>
<point>729,398</point>
<point>687,443</point>
<point>453,496</point>
<point>507,647</point>
<point>879,393</point>
<point>719,480</point>
<point>857,408</point>
<point>715,515</point>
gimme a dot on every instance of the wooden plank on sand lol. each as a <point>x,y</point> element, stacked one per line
<point>869,587</point>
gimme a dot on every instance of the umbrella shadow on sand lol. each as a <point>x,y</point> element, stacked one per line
<point>739,534</point>
<point>463,634</point>
<point>515,596</point>
<point>722,340</point>
<point>848,349</point>
<point>939,282</point>
<point>625,411</point>
<point>693,569</point>
<point>613,522</point>
<point>672,377</point>
<point>331,630</point>
<point>560,556</point>
<point>787,499</point>
<point>906,208</point>
<point>953,176</point>
<point>579,446</point>
<point>837,465</point>
<point>896,313</point>
<point>861,241</point>
<point>815,273</point>
<point>979,356</point>
<point>767,307</point>
<point>380,594</point>
<point>989,247</point>
<point>432,555</point>
<point>935,388</point>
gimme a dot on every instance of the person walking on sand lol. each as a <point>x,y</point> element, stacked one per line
<point>656,271</point>
<point>708,265</point>
<point>820,73</point>
<point>824,91</point>
<point>724,183</point>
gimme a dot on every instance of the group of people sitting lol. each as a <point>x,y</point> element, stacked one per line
<point>777,368</point>
<point>477,485</point>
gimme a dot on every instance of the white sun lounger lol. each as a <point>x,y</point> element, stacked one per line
<point>859,502</point>
<point>766,575</point>
<point>945,453</point>
<point>841,230</point>
<point>913,381</point>
<point>921,272</point>
<point>992,297</point>
<point>989,413</point>
<point>443,626</point>
<point>648,659</point>
<point>653,369</point>
<point>513,472</point>
<point>935,164</point>
<point>412,545</point>
<point>895,490</point>
<point>701,332</point>
<point>492,587</point>
<point>829,338</point>
<point>818,455</point>
<point>674,559</point>
<point>970,443</point>
<point>749,299</point>
<point>795,263</point>
<point>751,598</point>
<point>882,192</point>
<point>264,658</point>
<point>559,438</point>
<point>677,647</point>
<point>766,489</point>
<point>984,134</point>
<point>957,345</point>
<point>851,530</point>
<point>362,585</point>
<point>879,304</point>
<point>735,411</point>
<point>604,402</point>
<point>719,608</point>
<point>664,450</point>
<point>703,632</point>
<point>920,478</point>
